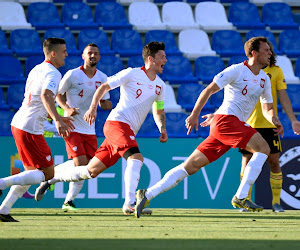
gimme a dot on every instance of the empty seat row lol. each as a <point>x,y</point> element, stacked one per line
<point>144,16</point>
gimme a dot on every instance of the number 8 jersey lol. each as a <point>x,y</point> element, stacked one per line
<point>137,94</point>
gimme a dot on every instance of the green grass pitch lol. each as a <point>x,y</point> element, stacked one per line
<point>164,229</point>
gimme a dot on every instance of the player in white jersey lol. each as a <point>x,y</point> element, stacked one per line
<point>140,88</point>
<point>28,126</point>
<point>75,93</point>
<point>243,85</point>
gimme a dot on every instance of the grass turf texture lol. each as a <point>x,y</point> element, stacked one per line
<point>165,229</point>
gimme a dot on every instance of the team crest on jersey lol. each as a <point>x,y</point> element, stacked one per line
<point>262,83</point>
<point>157,90</point>
<point>97,83</point>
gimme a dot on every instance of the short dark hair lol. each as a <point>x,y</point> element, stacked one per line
<point>51,44</point>
<point>91,45</point>
<point>254,44</point>
<point>150,49</point>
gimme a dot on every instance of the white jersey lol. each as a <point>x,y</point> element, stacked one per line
<point>79,89</point>
<point>242,90</point>
<point>32,114</point>
<point>137,94</point>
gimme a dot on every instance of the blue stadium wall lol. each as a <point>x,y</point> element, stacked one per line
<point>212,187</point>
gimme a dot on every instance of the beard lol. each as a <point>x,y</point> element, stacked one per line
<point>92,63</point>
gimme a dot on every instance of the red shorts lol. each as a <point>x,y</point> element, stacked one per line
<point>33,149</point>
<point>81,144</point>
<point>118,139</point>
<point>226,131</point>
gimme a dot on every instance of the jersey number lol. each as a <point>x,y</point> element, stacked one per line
<point>277,144</point>
<point>81,93</point>
<point>138,93</point>
<point>244,91</point>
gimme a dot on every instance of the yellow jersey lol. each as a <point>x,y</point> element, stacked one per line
<point>257,119</point>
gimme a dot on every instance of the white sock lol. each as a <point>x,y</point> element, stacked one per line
<point>15,192</point>
<point>29,177</point>
<point>71,174</point>
<point>251,173</point>
<point>131,179</point>
<point>170,180</point>
<point>74,189</point>
<point>61,167</point>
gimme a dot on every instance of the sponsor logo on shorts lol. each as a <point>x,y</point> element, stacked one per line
<point>48,157</point>
<point>74,148</point>
<point>132,137</point>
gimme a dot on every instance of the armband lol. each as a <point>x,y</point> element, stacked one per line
<point>159,105</point>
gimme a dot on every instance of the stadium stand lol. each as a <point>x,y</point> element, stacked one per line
<point>289,43</point>
<point>114,96</point>
<point>71,62</point>
<point>100,120</point>
<point>287,68</point>
<point>217,98</point>
<point>5,120</point>
<point>44,16</point>
<point>25,42</point>
<point>211,16</point>
<point>148,128</point>
<point>11,70</point>
<point>110,65</point>
<point>293,91</point>
<point>127,42</point>
<point>135,62</point>
<point>78,15</point>
<point>145,16</point>
<point>12,16</point>
<point>227,43</point>
<point>33,1</point>
<point>194,43</point>
<point>31,62</point>
<point>98,37</point>
<point>165,36</point>
<point>4,50</point>
<point>3,105</point>
<point>111,16</point>
<point>15,95</point>
<point>206,67</point>
<point>297,67</point>
<point>241,12</point>
<point>178,16</point>
<point>278,16</point>
<point>288,130</point>
<point>171,104</point>
<point>236,59</point>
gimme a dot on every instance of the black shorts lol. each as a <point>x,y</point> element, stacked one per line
<point>272,140</point>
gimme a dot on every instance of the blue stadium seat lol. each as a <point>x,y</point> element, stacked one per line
<point>188,94</point>
<point>3,105</point>
<point>175,123</point>
<point>241,12</point>
<point>266,33</point>
<point>217,98</point>
<point>148,128</point>
<point>78,15</point>
<point>127,43</point>
<point>111,16</point>
<point>4,50</point>
<point>99,1</point>
<point>293,91</point>
<point>65,1</point>
<point>98,37</point>
<point>288,130</point>
<point>227,43</point>
<point>206,67</point>
<point>165,1</point>
<point>178,70</point>
<point>5,120</point>
<point>236,59</point>
<point>31,62</point>
<point>278,16</point>
<point>198,1</point>
<point>135,62</point>
<point>69,38</point>
<point>297,68</point>
<point>15,95</point>
<point>110,65</point>
<point>115,96</point>
<point>71,62</point>
<point>289,43</point>
<point>165,36</point>
<point>25,42</point>
<point>100,120</point>
<point>232,1</point>
<point>44,16</point>
<point>11,70</point>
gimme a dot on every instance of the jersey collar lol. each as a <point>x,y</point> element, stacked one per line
<point>144,69</point>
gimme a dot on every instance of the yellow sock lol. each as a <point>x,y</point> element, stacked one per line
<point>276,185</point>
<point>250,190</point>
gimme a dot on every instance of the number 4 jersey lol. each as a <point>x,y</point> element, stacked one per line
<point>137,94</point>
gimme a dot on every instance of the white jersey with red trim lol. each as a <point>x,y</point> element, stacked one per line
<point>32,114</point>
<point>137,94</point>
<point>242,90</point>
<point>79,89</point>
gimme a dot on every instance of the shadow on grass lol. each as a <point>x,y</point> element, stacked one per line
<point>32,244</point>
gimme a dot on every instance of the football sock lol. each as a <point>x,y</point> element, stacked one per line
<point>15,192</point>
<point>74,189</point>
<point>71,174</point>
<point>131,179</point>
<point>250,190</point>
<point>61,167</point>
<point>276,185</point>
<point>251,173</point>
<point>29,177</point>
<point>170,180</point>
